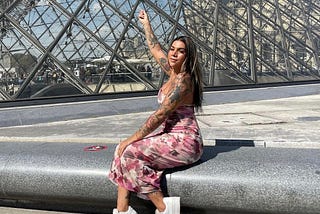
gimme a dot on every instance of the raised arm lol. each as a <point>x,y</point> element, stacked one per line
<point>153,44</point>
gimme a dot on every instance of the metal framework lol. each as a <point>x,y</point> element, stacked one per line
<point>66,47</point>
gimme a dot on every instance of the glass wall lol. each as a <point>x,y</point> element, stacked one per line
<point>73,47</point>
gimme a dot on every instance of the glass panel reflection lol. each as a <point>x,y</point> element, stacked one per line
<point>69,47</point>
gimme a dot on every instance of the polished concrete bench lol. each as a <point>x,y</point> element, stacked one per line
<point>227,179</point>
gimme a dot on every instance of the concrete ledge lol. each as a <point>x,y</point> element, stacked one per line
<point>251,180</point>
<point>55,171</point>
<point>228,179</point>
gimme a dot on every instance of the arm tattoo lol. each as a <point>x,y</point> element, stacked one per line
<point>180,89</point>
<point>175,96</point>
<point>164,64</point>
<point>150,125</point>
<point>152,39</point>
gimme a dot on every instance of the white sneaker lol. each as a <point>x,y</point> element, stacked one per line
<point>172,205</point>
<point>129,211</point>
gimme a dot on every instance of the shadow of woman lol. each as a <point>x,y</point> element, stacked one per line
<point>209,153</point>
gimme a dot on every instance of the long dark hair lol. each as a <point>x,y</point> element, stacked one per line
<point>192,66</point>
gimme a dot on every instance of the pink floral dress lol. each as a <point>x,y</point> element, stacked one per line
<point>178,143</point>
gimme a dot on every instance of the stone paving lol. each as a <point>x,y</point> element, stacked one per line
<point>286,122</point>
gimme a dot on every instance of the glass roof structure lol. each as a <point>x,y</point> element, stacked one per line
<point>52,48</point>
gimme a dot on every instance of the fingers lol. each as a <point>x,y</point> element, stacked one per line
<point>142,14</point>
<point>117,150</point>
<point>121,147</point>
<point>120,150</point>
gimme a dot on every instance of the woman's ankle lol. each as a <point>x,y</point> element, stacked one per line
<point>157,200</point>
<point>123,208</point>
<point>129,211</point>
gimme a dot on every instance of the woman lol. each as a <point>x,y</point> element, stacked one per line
<point>141,159</point>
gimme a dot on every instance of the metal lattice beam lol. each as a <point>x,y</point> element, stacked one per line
<point>98,46</point>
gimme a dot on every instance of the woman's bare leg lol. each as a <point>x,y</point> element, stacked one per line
<point>123,199</point>
<point>157,200</point>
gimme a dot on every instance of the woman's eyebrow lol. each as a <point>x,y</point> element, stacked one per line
<point>178,48</point>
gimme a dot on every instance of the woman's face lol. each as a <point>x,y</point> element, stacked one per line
<point>177,55</point>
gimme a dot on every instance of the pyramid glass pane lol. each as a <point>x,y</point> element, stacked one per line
<point>68,47</point>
